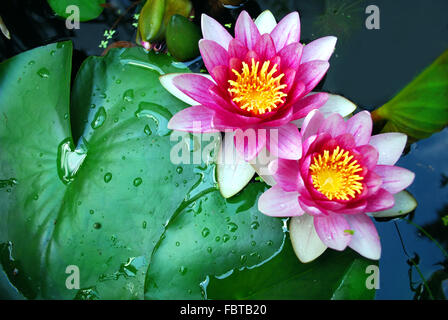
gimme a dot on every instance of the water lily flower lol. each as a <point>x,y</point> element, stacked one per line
<point>259,79</point>
<point>344,173</point>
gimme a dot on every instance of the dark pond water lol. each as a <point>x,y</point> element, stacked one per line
<point>369,67</point>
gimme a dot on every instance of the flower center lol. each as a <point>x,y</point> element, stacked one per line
<point>335,175</point>
<point>255,89</point>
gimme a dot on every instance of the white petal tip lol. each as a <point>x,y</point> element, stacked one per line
<point>233,173</point>
<point>305,241</point>
<point>265,22</point>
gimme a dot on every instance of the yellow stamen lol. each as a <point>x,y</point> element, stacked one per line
<point>335,175</point>
<point>257,90</point>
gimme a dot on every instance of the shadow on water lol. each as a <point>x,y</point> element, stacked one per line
<point>369,67</point>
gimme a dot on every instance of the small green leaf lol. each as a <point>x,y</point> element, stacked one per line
<point>182,37</point>
<point>155,16</point>
<point>88,9</point>
<point>421,108</point>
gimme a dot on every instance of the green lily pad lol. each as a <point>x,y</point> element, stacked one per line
<point>334,275</point>
<point>421,108</point>
<point>106,202</point>
<point>88,9</point>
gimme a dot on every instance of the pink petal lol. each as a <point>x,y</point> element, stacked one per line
<point>303,107</point>
<point>360,126</point>
<point>213,30</point>
<point>333,125</point>
<point>381,200</point>
<point>286,31</point>
<point>291,55</point>
<point>395,179</point>
<point>281,118</point>
<point>311,124</point>
<point>288,79</point>
<point>373,182</point>
<point>193,119</point>
<point>319,49</point>
<point>195,86</point>
<point>365,239</point>
<point>237,49</point>
<point>310,207</point>
<point>249,142</point>
<point>390,146</point>
<point>285,142</point>
<point>331,230</point>
<point>265,47</point>
<point>310,73</point>
<point>246,31</point>
<point>213,54</point>
<point>278,203</point>
<point>287,174</point>
<point>230,120</point>
<point>221,75</point>
<point>368,156</point>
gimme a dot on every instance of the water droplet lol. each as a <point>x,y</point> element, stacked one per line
<point>269,242</point>
<point>91,211</point>
<point>137,182</point>
<point>144,224</point>
<point>36,197</point>
<point>179,170</point>
<point>205,232</point>
<point>93,106</point>
<point>209,249</point>
<point>253,243</point>
<point>254,225</point>
<point>97,225</point>
<point>243,258</point>
<point>128,95</point>
<point>107,177</point>
<point>232,227</point>
<point>218,238</point>
<point>182,270</point>
<point>69,160</point>
<point>99,119</point>
<point>225,238</point>
<point>118,81</point>
<point>147,130</point>
<point>177,243</point>
<point>160,115</point>
<point>43,72</point>
<point>31,62</point>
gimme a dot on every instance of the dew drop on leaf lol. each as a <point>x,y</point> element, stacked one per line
<point>137,182</point>
<point>43,72</point>
<point>107,177</point>
<point>205,232</point>
<point>99,119</point>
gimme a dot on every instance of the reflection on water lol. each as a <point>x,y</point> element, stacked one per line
<point>369,67</point>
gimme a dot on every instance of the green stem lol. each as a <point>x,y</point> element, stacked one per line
<point>423,279</point>
<point>429,236</point>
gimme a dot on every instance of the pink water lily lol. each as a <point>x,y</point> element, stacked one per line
<point>259,79</point>
<point>343,174</point>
